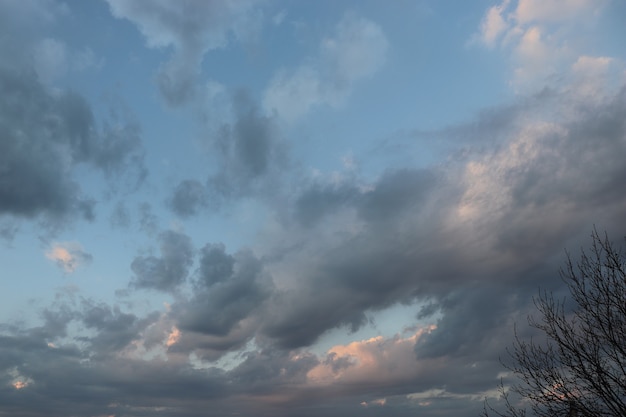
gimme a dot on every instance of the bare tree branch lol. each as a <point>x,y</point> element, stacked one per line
<point>581,368</point>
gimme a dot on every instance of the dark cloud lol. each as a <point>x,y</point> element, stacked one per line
<point>468,242</point>
<point>44,137</point>
<point>321,199</point>
<point>114,329</point>
<point>38,131</point>
<point>167,272</point>
<point>228,290</point>
<point>59,376</point>
<point>470,229</point>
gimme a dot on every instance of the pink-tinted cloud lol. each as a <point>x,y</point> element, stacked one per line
<point>375,360</point>
<point>68,255</point>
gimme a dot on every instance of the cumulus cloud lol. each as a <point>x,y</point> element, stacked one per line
<point>541,38</point>
<point>356,50</point>
<point>229,291</point>
<point>191,28</point>
<point>68,255</point>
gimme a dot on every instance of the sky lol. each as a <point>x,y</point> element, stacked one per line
<point>280,208</point>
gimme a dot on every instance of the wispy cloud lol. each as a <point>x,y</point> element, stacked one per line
<point>355,51</point>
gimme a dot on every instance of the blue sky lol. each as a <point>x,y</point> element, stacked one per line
<point>293,208</point>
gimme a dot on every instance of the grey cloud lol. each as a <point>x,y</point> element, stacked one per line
<point>114,328</point>
<point>319,200</point>
<point>251,152</point>
<point>66,380</point>
<point>8,231</point>
<point>178,81</point>
<point>228,289</point>
<point>474,227</point>
<point>24,20</point>
<point>474,239</point>
<point>192,28</point>
<point>167,272</point>
<point>45,184</point>
<point>188,198</point>
<point>394,193</point>
<point>64,384</point>
<point>215,265</point>
<point>251,157</point>
<point>466,315</point>
<point>45,137</point>
<point>148,221</point>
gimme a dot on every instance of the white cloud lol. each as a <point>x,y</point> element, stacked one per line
<point>293,95</point>
<point>68,255</point>
<point>541,38</point>
<point>595,76</point>
<point>493,25</point>
<point>356,51</point>
<point>554,10</point>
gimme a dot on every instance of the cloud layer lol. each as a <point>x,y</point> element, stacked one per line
<point>204,326</point>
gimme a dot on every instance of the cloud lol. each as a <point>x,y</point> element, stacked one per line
<point>47,135</point>
<point>386,361</point>
<point>169,271</point>
<point>251,150</point>
<point>191,28</point>
<point>53,59</point>
<point>229,291</point>
<point>541,38</point>
<point>251,158</point>
<point>188,198</point>
<point>120,217</point>
<point>68,255</point>
<point>356,51</point>
<point>148,221</point>
<point>451,240</point>
<point>493,24</point>
<point>114,329</point>
<point>535,10</point>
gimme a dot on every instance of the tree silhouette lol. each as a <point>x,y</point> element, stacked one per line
<point>580,369</point>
